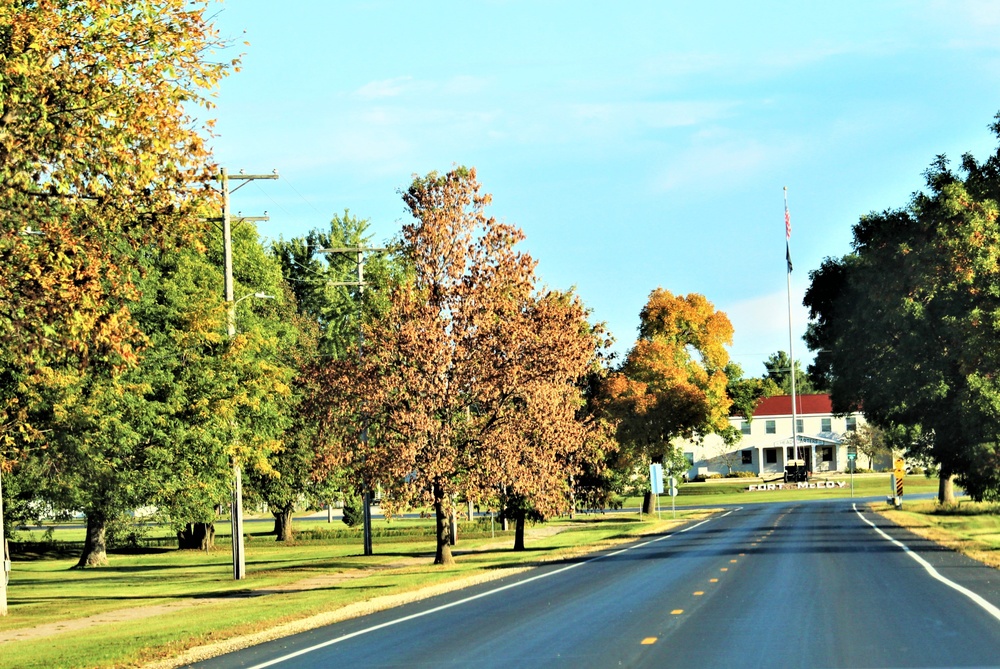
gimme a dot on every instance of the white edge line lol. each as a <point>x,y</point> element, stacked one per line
<point>390,623</point>
<point>987,606</point>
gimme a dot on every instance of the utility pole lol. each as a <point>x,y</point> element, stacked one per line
<point>4,560</point>
<point>236,514</point>
<point>366,495</point>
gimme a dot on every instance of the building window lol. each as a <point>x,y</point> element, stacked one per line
<point>769,427</point>
<point>799,428</point>
<point>747,457</point>
<point>745,427</point>
<point>825,425</point>
<point>771,456</point>
<point>852,424</point>
<point>827,453</point>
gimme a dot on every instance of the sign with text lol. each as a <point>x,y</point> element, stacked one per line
<point>818,485</point>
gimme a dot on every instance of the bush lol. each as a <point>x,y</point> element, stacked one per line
<point>701,478</point>
<point>742,475</point>
<point>354,510</point>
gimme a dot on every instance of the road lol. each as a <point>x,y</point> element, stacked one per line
<point>808,584</point>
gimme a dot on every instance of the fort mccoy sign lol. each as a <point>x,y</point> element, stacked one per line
<point>818,485</point>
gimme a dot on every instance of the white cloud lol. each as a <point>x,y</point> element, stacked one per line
<point>386,88</point>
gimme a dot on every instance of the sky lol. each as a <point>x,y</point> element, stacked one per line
<point>638,145</point>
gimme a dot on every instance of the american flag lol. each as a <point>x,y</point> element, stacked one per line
<point>788,233</point>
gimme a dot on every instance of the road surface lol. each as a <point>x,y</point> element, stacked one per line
<point>810,584</point>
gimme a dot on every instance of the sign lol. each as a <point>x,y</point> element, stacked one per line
<point>656,478</point>
<point>673,486</point>
<point>852,456</point>
<point>796,486</point>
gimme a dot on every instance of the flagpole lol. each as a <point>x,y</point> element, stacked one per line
<point>791,353</point>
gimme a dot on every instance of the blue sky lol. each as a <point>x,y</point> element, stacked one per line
<point>637,144</point>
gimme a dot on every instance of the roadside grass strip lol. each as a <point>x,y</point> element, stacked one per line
<point>466,600</point>
<point>985,605</point>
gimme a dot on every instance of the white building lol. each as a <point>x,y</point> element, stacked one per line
<point>765,447</point>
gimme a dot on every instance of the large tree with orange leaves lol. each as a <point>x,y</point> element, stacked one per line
<point>673,381</point>
<point>468,383</point>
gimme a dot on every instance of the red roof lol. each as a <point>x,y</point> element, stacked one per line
<point>781,405</point>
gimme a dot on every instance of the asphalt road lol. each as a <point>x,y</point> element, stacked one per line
<point>792,585</point>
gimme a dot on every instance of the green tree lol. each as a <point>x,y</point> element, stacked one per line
<point>333,314</point>
<point>99,154</point>
<point>778,366</point>
<point>747,393</point>
<point>909,321</point>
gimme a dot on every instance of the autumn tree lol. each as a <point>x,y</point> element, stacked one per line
<point>907,323</point>
<point>673,381</point>
<point>467,383</point>
<point>99,155</point>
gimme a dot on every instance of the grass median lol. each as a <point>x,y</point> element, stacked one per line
<point>150,607</point>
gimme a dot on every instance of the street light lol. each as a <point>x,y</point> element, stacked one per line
<point>236,515</point>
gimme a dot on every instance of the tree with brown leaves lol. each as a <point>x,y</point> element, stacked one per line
<point>469,382</point>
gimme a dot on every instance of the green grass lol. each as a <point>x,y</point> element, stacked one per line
<point>734,491</point>
<point>48,591</point>
<point>967,527</point>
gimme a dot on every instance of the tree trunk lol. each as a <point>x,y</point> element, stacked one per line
<point>946,488</point>
<point>197,536</point>
<point>649,503</point>
<point>443,555</point>
<point>452,525</point>
<point>283,524</point>
<point>519,532</point>
<point>95,550</point>
<point>572,497</point>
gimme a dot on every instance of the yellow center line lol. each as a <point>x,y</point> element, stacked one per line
<point>732,561</point>
<point>713,580</point>
<point>724,569</point>
<point>677,612</point>
<point>699,593</point>
<point>648,641</point>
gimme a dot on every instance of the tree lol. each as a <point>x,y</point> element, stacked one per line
<point>467,382</point>
<point>333,313</point>
<point>908,321</point>
<point>100,155</point>
<point>778,365</point>
<point>673,381</point>
<point>163,431</point>
<point>870,441</point>
<point>747,393</point>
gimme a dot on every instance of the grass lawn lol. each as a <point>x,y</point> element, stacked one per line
<point>735,491</point>
<point>170,600</point>
<point>967,527</point>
